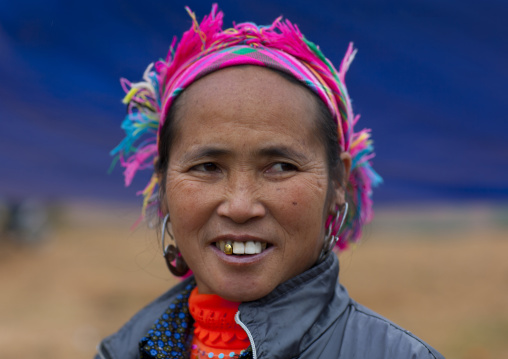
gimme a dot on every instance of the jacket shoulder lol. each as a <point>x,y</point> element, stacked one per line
<point>369,335</point>
<point>124,343</point>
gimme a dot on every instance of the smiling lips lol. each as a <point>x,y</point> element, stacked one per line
<point>238,247</point>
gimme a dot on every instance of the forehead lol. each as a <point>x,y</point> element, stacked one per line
<point>248,95</point>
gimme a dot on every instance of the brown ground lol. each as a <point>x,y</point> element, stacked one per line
<point>443,274</point>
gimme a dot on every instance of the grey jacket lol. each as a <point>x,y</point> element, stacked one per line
<point>310,316</point>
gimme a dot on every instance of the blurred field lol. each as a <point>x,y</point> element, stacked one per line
<point>440,272</point>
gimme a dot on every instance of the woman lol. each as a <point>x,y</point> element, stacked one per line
<point>256,164</point>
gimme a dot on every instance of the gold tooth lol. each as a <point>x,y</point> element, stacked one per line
<point>228,248</point>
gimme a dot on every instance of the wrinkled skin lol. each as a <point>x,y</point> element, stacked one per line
<point>247,163</point>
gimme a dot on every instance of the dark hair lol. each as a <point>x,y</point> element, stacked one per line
<point>166,138</point>
<point>326,126</point>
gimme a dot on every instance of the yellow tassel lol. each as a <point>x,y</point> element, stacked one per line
<point>148,192</point>
<point>129,95</point>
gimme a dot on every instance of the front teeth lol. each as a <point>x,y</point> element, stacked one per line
<point>238,248</point>
<point>252,247</point>
<point>249,247</point>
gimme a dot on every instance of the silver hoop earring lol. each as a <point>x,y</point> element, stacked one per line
<point>331,238</point>
<point>172,254</point>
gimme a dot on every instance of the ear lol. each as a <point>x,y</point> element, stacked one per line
<point>340,187</point>
<point>345,157</point>
<point>163,207</point>
<point>162,194</point>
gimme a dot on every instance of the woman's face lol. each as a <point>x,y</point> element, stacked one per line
<point>247,165</point>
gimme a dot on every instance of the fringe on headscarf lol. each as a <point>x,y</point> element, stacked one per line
<point>149,101</point>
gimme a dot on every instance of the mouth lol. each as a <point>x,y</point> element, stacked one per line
<point>240,248</point>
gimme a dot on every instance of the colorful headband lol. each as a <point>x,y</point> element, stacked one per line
<point>206,48</point>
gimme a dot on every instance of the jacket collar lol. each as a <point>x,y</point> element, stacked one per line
<point>269,319</point>
<point>313,300</point>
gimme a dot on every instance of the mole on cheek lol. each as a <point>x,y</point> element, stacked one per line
<point>295,203</point>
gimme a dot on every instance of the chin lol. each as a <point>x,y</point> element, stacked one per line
<point>241,288</point>
<point>244,296</point>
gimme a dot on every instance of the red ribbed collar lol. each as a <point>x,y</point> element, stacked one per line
<point>215,324</point>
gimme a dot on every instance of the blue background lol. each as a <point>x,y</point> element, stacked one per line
<point>430,80</point>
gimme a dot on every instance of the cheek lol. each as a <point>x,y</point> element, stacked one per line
<point>180,195</point>
<point>187,207</point>
<point>300,206</point>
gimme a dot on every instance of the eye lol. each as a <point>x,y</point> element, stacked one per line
<point>281,167</point>
<point>206,167</point>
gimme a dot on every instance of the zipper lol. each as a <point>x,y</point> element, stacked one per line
<point>249,334</point>
<point>102,354</point>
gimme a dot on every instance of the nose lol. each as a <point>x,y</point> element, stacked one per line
<point>241,201</point>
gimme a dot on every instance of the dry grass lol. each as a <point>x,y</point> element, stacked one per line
<point>441,274</point>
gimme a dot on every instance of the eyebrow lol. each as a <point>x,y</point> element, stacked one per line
<point>203,152</point>
<point>270,151</point>
<point>283,151</point>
